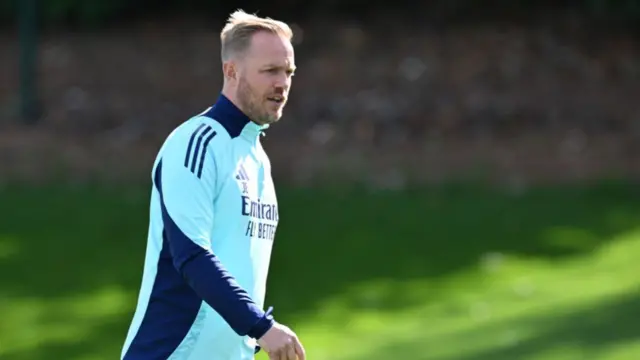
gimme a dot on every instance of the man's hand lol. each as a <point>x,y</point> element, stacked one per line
<point>281,343</point>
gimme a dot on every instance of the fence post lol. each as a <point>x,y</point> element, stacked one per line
<point>28,22</point>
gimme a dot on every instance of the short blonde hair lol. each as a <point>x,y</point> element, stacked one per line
<point>236,35</point>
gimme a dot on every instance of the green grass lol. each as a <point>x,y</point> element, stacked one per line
<point>455,273</point>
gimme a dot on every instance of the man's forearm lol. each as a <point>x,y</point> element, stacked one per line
<point>214,284</point>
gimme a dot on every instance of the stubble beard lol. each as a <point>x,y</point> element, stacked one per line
<point>251,104</point>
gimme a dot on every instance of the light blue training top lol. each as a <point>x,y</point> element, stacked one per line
<point>213,217</point>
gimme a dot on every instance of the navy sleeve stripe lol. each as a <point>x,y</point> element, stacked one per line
<point>193,136</point>
<point>195,156</point>
<point>204,153</point>
<point>206,275</point>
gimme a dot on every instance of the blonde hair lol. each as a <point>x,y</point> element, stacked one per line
<point>236,35</point>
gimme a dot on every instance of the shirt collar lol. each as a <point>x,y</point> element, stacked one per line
<point>233,119</point>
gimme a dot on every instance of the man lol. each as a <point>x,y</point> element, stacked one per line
<point>214,213</point>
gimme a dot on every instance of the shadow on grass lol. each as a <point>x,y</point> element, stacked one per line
<point>590,331</point>
<point>328,242</point>
<point>74,241</point>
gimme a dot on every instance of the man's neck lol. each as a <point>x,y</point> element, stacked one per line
<point>230,95</point>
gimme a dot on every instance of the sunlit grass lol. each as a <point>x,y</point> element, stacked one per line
<point>447,275</point>
<point>497,307</point>
<point>30,323</point>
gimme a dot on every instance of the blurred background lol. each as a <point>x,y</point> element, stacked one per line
<point>457,179</point>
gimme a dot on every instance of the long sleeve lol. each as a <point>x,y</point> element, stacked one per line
<point>185,177</point>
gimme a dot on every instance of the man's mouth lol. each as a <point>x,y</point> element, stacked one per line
<point>276,98</point>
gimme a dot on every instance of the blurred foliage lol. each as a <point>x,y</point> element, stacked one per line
<point>91,13</point>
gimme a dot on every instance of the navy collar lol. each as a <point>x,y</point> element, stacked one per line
<point>228,115</point>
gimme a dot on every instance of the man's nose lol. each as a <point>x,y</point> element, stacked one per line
<point>281,87</point>
<point>281,82</point>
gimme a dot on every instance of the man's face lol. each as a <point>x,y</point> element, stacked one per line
<point>264,77</point>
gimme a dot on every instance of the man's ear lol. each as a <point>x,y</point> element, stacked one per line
<point>230,70</point>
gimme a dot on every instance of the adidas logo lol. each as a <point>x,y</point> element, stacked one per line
<point>242,174</point>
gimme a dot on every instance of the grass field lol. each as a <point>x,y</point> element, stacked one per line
<point>454,273</point>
